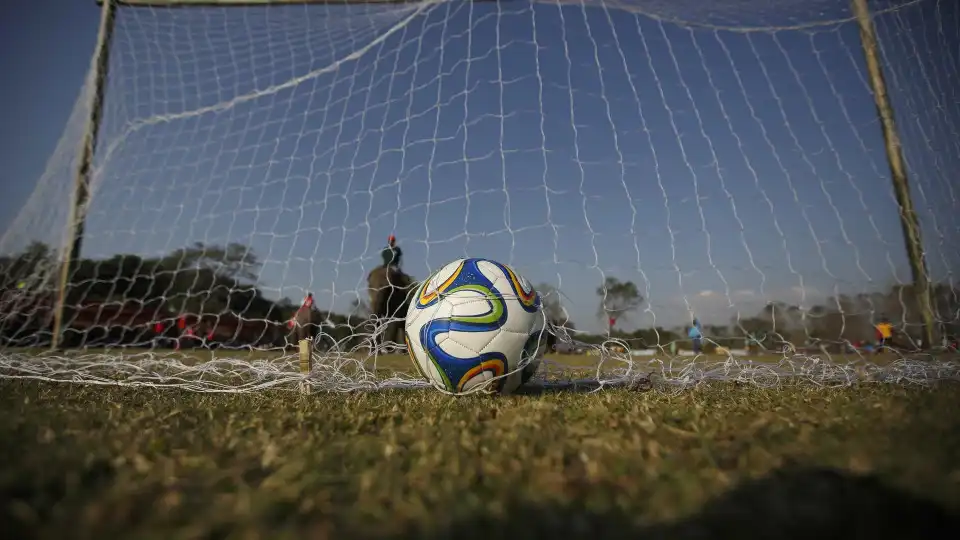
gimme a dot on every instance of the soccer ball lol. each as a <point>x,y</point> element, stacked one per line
<point>475,324</point>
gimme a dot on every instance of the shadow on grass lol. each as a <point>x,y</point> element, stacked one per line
<point>789,504</point>
<point>578,386</point>
<point>795,503</point>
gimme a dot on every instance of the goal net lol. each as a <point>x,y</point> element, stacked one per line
<point>654,166</point>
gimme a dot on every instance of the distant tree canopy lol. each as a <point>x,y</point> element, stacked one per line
<point>200,278</point>
<point>35,261</point>
<point>618,299</point>
<point>852,317</point>
<point>196,279</point>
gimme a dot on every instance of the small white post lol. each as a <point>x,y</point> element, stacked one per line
<point>306,363</point>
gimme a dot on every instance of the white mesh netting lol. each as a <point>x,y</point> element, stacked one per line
<point>647,162</point>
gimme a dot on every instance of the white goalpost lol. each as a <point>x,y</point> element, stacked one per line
<point>778,175</point>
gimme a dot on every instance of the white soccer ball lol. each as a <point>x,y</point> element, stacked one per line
<point>475,324</point>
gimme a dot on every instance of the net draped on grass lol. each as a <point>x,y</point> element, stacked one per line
<point>212,371</point>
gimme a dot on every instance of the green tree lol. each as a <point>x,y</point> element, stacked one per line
<point>716,331</point>
<point>234,261</point>
<point>617,300</point>
<point>35,264</point>
<point>212,279</point>
<point>852,317</point>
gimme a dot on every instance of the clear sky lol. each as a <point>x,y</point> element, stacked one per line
<point>717,169</point>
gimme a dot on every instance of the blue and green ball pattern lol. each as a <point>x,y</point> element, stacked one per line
<point>457,371</point>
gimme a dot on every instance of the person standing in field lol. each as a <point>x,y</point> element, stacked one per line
<point>696,336</point>
<point>392,254</point>
<point>884,333</point>
<point>304,315</point>
<point>303,324</point>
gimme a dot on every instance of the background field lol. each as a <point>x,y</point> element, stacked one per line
<point>735,460</point>
<point>226,370</point>
<point>402,362</point>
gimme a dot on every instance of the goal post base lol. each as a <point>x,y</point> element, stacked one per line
<point>306,363</point>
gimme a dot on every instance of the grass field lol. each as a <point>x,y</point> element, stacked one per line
<point>717,461</point>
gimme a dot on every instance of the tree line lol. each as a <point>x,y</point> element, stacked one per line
<point>210,283</point>
<point>840,320</point>
<point>221,282</point>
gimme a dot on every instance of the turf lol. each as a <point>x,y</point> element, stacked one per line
<point>731,461</point>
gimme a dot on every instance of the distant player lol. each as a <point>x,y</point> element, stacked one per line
<point>696,336</point>
<point>304,314</point>
<point>392,254</point>
<point>884,334</point>
<point>302,323</point>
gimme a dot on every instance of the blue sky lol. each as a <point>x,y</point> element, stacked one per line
<point>716,169</point>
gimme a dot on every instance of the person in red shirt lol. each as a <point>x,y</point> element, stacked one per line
<point>302,322</point>
<point>188,334</point>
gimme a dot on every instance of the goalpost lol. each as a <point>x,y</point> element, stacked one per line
<point>729,162</point>
<point>898,174</point>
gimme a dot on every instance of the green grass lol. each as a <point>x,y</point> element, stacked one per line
<point>737,461</point>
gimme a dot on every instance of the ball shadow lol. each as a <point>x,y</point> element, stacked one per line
<point>579,386</point>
